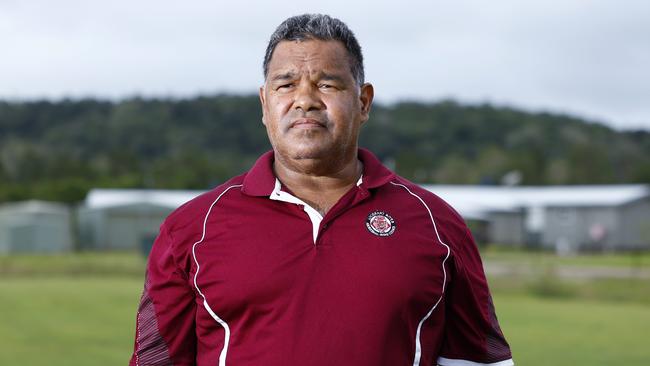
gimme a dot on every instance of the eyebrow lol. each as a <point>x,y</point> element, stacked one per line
<point>292,75</point>
<point>331,77</point>
<point>284,76</point>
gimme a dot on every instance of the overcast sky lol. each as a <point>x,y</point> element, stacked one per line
<point>587,58</point>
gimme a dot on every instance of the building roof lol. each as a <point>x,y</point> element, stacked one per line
<point>108,198</point>
<point>475,201</point>
<point>33,207</point>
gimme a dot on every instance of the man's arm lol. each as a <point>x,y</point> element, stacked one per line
<point>165,324</point>
<point>472,333</point>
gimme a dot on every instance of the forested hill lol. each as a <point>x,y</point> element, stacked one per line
<point>59,150</point>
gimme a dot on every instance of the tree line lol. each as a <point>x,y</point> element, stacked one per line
<point>59,150</point>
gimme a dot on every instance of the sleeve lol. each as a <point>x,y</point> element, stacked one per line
<point>165,324</point>
<point>472,333</point>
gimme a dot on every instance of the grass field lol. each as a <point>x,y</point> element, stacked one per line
<point>558,332</point>
<point>80,310</point>
<point>63,321</point>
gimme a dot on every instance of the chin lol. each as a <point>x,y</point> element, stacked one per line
<point>311,152</point>
<point>308,154</point>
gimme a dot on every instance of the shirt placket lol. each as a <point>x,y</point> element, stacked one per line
<point>314,216</point>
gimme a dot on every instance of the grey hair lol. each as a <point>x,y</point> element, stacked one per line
<point>321,27</point>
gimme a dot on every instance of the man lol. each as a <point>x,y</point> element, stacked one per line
<point>319,255</point>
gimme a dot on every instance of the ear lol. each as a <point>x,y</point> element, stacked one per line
<point>263,103</point>
<point>365,97</point>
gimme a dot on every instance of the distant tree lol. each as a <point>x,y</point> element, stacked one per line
<point>59,150</point>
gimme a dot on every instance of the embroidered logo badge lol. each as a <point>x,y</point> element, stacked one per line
<point>380,223</point>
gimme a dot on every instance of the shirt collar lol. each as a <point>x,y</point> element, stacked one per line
<point>260,180</point>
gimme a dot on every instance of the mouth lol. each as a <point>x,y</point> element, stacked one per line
<point>306,123</point>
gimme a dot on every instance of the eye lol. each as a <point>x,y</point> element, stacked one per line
<point>326,86</point>
<point>284,86</point>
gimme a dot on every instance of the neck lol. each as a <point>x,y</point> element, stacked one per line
<point>319,185</point>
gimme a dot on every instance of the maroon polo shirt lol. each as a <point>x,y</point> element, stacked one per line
<point>249,275</point>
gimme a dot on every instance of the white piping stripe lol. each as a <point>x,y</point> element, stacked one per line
<point>224,350</point>
<point>452,362</point>
<point>418,346</point>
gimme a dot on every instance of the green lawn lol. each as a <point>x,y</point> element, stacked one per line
<point>56,315</point>
<point>557,332</point>
<point>66,321</point>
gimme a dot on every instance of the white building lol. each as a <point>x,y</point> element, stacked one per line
<point>571,218</point>
<point>35,226</point>
<point>125,219</point>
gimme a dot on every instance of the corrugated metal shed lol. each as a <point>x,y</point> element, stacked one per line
<point>126,219</point>
<point>568,218</point>
<point>35,226</point>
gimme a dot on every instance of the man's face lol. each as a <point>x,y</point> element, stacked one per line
<point>312,106</point>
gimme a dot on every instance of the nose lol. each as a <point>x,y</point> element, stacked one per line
<point>307,97</point>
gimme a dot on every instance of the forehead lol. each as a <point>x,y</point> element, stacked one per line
<point>310,55</point>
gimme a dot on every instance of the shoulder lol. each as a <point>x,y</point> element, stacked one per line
<point>193,212</point>
<point>184,226</point>
<point>447,221</point>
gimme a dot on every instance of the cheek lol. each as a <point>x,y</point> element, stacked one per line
<point>280,100</point>
<point>273,112</point>
<point>273,100</point>
<point>346,113</point>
